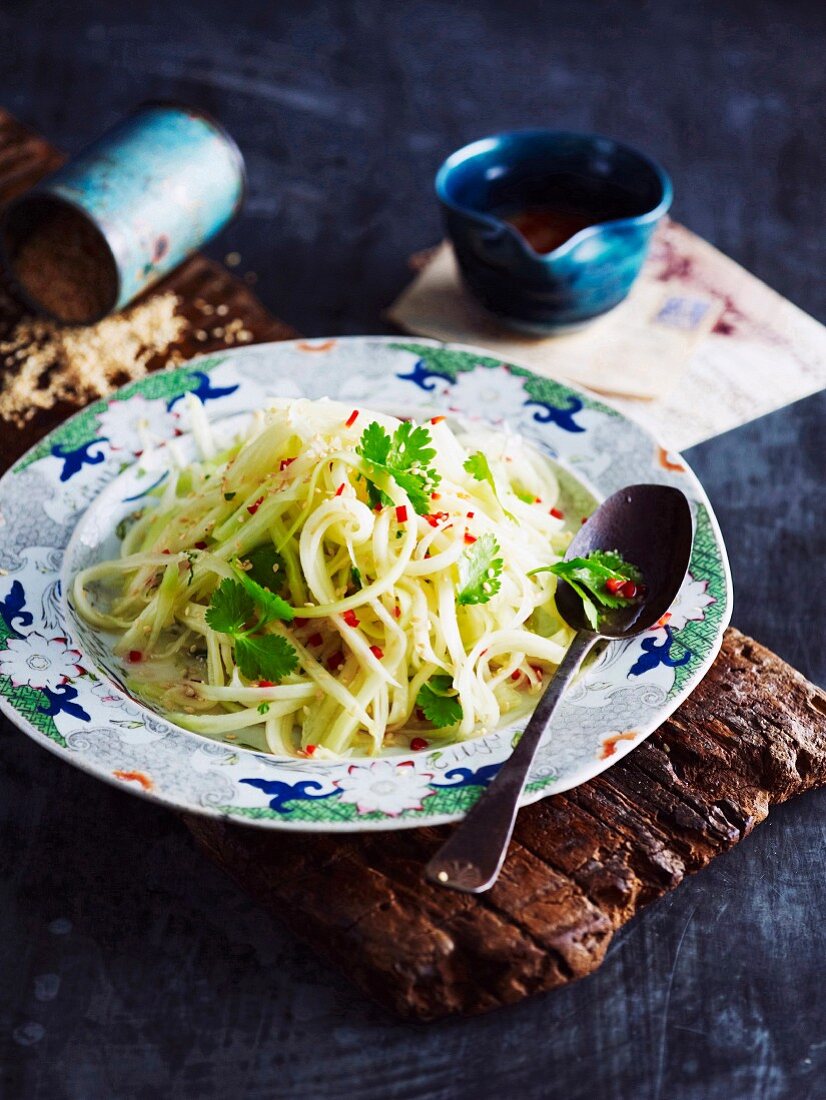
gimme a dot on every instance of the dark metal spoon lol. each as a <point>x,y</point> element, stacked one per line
<point>651,526</point>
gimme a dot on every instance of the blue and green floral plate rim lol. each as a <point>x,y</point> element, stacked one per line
<point>53,686</point>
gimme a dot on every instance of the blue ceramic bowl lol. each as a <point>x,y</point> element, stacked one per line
<point>583,178</point>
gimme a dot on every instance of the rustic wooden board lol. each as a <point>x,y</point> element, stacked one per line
<point>753,734</point>
<point>582,863</point>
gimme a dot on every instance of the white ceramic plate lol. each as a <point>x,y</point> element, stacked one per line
<point>59,684</point>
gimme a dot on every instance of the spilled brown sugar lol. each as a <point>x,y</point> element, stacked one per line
<point>43,363</point>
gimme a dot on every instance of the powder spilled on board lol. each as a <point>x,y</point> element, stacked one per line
<point>43,362</point>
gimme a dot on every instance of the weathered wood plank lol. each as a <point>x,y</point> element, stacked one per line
<point>753,734</point>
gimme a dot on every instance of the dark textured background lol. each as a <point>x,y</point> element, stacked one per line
<point>129,967</point>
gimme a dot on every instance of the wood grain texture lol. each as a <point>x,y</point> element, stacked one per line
<point>752,735</point>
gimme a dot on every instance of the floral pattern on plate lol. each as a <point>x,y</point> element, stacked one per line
<point>54,681</point>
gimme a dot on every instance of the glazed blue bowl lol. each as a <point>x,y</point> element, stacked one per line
<point>586,179</point>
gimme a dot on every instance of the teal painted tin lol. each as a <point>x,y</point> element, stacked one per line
<point>124,212</point>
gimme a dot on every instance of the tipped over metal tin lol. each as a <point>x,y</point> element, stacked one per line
<point>126,211</point>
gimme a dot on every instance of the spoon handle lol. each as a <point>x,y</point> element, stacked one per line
<point>471,859</point>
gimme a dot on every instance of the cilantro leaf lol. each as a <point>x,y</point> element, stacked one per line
<point>266,566</point>
<point>439,707</point>
<point>375,444</point>
<point>613,561</point>
<point>411,447</point>
<point>265,657</point>
<point>355,577</point>
<point>588,577</point>
<point>230,608</point>
<point>417,489</point>
<point>478,467</point>
<point>480,571</point>
<point>267,604</point>
<point>404,457</point>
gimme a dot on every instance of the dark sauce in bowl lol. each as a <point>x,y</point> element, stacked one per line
<point>548,216</point>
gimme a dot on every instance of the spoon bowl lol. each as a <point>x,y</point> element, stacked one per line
<point>651,527</point>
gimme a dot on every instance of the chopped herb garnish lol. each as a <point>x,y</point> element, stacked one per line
<point>230,608</point>
<point>439,702</point>
<point>266,566</point>
<point>480,571</point>
<point>602,576</point>
<point>355,577</point>
<point>404,457</point>
<point>230,496</point>
<point>263,708</point>
<point>235,605</point>
<point>478,467</point>
<point>265,657</point>
<point>267,604</point>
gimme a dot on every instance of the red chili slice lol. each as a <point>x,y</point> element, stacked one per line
<point>135,656</point>
<point>469,538</point>
<point>265,684</point>
<point>335,661</point>
<point>436,419</point>
<point>310,749</point>
<point>350,618</point>
<point>614,584</point>
<point>419,743</point>
<point>340,489</point>
<point>285,462</point>
<point>555,512</point>
<point>351,419</point>
<point>629,590</point>
<point>315,640</point>
<point>435,518</point>
<point>200,545</point>
<point>377,652</point>
<point>401,513</point>
<point>253,508</point>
